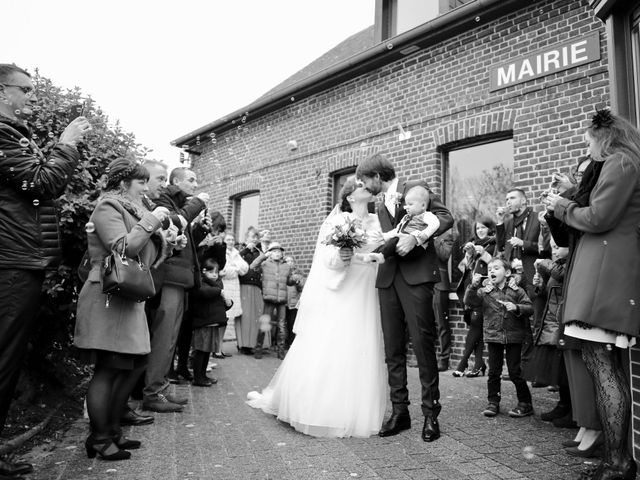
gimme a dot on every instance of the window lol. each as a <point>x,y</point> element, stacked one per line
<point>245,214</point>
<point>477,178</point>
<point>399,16</point>
<point>339,179</point>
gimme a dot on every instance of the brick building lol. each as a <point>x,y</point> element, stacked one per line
<point>460,92</point>
<point>484,87</point>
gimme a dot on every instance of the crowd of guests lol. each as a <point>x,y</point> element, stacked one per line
<point>201,277</point>
<point>544,290</point>
<point>547,292</point>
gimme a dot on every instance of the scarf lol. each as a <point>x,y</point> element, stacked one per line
<point>589,180</point>
<point>137,210</point>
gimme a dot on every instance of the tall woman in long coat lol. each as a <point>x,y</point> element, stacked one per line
<point>603,292</point>
<point>113,331</point>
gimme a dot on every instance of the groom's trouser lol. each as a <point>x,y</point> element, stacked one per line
<point>402,307</point>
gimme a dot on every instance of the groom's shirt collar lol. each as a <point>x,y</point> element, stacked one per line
<point>390,200</point>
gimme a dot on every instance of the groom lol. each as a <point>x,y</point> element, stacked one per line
<point>405,289</point>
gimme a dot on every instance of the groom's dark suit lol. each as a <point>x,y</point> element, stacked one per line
<point>405,288</point>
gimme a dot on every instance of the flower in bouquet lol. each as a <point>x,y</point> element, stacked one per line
<point>349,234</point>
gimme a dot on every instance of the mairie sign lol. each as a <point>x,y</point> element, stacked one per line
<point>544,62</point>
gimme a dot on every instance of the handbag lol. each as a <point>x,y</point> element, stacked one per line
<point>126,277</point>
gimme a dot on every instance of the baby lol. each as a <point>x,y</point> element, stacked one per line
<point>417,221</point>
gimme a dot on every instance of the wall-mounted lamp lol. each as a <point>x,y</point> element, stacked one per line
<point>404,135</point>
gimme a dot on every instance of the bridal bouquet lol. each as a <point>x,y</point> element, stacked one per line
<point>346,237</point>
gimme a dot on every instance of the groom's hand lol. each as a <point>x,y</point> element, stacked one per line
<point>405,244</point>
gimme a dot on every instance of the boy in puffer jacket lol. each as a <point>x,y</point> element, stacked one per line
<point>505,308</point>
<point>276,274</point>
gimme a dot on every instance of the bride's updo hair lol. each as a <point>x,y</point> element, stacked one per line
<point>347,189</point>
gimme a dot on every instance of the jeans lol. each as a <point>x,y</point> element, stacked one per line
<point>19,303</point>
<point>512,352</point>
<point>473,344</point>
<point>163,328</point>
<point>278,314</point>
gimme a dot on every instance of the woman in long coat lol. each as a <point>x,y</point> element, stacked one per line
<point>112,331</point>
<point>604,284</point>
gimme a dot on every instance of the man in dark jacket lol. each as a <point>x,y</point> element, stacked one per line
<point>180,273</point>
<point>29,240</point>
<point>518,235</point>
<point>405,290</point>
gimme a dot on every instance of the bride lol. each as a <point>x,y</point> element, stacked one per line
<point>333,381</point>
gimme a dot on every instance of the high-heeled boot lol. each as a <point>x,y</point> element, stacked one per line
<point>105,448</point>
<point>124,443</point>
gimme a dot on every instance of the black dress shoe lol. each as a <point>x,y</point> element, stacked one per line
<point>13,469</point>
<point>431,429</point>
<point>131,417</point>
<point>396,423</point>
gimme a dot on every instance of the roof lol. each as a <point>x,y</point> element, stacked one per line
<point>356,43</point>
<point>323,74</point>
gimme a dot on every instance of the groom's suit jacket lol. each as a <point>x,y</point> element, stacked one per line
<point>420,265</point>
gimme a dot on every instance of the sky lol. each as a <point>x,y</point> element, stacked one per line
<point>165,67</point>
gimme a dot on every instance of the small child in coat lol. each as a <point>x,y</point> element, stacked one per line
<point>417,221</point>
<point>294,289</point>
<point>505,307</point>
<point>276,275</point>
<point>208,310</point>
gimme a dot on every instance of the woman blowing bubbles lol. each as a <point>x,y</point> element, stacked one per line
<point>112,332</point>
<point>601,305</point>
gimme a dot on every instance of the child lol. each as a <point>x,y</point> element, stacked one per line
<point>504,308</point>
<point>294,287</point>
<point>208,308</point>
<point>275,277</point>
<point>417,219</point>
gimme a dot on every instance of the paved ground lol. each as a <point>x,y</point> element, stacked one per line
<point>219,437</point>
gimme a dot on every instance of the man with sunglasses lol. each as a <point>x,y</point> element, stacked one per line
<point>29,243</point>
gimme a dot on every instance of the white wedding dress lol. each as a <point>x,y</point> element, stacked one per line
<point>333,381</point>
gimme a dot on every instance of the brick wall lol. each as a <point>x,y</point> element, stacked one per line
<point>441,95</point>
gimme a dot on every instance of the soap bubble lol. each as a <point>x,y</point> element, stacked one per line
<point>24,143</point>
<point>528,452</point>
<point>36,202</point>
<point>90,227</point>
